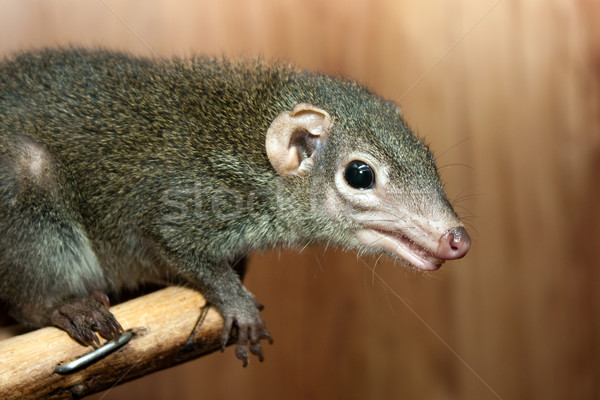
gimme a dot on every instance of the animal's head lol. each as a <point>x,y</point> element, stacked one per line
<point>374,183</point>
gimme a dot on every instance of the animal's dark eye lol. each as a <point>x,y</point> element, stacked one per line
<point>359,175</point>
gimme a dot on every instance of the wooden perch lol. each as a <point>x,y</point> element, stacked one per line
<point>162,321</point>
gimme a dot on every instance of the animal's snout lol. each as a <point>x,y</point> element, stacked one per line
<point>455,243</point>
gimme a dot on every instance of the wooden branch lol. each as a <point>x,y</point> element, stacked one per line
<point>162,321</point>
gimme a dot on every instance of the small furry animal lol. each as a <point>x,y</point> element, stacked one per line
<point>117,170</point>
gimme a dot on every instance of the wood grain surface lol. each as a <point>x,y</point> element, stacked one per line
<point>507,92</point>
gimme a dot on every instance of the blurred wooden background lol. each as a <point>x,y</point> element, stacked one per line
<point>508,94</point>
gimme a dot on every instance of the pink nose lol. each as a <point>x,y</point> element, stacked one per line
<point>454,244</point>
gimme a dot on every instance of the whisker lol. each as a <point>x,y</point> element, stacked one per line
<point>443,153</point>
<point>375,266</point>
<point>308,243</point>
<point>318,262</point>
<point>444,166</point>
<point>459,207</point>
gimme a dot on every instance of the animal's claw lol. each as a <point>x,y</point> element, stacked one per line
<point>80,318</point>
<point>249,330</point>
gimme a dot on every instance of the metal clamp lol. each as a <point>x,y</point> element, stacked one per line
<point>94,356</point>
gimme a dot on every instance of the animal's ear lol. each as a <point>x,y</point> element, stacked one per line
<point>293,138</point>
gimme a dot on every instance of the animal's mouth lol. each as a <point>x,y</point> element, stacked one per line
<point>401,246</point>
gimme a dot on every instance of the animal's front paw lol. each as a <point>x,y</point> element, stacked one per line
<point>250,327</point>
<point>81,317</point>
